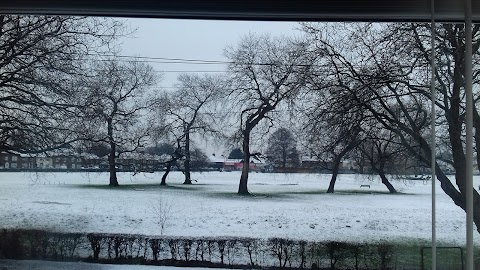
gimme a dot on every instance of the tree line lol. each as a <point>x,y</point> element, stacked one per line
<point>348,89</point>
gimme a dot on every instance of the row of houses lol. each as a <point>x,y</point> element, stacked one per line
<point>306,165</point>
<point>67,161</point>
<point>137,162</point>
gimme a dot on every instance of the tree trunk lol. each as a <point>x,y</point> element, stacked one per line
<point>165,174</point>
<point>381,172</point>
<point>335,169</point>
<point>385,181</point>
<point>361,166</point>
<point>188,179</point>
<point>458,197</point>
<point>476,121</point>
<point>338,159</point>
<point>476,126</point>
<point>455,124</point>
<point>113,170</point>
<point>111,157</point>
<point>242,187</point>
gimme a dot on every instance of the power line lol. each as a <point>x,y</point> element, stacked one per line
<point>177,59</point>
<point>175,71</point>
<point>190,71</point>
<point>167,60</point>
<point>190,61</point>
<point>162,60</point>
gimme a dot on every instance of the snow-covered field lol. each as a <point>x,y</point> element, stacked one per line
<point>284,205</point>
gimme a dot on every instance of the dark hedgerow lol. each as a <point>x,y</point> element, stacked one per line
<point>11,245</point>
<point>247,253</point>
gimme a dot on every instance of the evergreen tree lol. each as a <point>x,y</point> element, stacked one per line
<point>282,149</point>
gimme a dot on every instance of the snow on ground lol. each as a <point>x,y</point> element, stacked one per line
<point>43,265</point>
<point>285,205</point>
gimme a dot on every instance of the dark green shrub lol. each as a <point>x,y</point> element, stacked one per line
<point>10,245</point>
<point>385,253</point>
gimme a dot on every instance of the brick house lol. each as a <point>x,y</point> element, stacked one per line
<point>13,160</point>
<point>66,162</point>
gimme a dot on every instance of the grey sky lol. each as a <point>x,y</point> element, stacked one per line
<point>192,39</point>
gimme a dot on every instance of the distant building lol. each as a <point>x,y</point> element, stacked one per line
<point>232,165</point>
<point>216,163</point>
<point>91,161</point>
<point>14,160</point>
<point>67,159</point>
<point>44,162</point>
<point>64,161</point>
<point>140,162</point>
<point>237,165</point>
<point>312,164</point>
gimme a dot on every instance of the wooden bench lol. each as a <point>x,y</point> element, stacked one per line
<point>364,186</point>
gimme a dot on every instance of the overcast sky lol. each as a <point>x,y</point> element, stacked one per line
<point>192,39</point>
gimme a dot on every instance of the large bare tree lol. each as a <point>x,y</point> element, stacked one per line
<point>332,128</point>
<point>264,72</point>
<point>40,58</point>
<point>384,154</point>
<point>191,109</point>
<point>116,105</point>
<point>386,67</point>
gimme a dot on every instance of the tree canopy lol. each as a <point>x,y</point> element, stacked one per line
<point>41,59</point>
<point>264,72</point>
<point>282,149</point>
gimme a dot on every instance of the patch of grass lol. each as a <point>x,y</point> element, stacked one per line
<point>407,253</point>
<point>447,257</point>
<point>146,186</point>
<point>344,192</point>
<point>252,196</point>
<point>368,192</point>
<point>285,194</point>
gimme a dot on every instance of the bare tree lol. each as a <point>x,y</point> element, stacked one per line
<point>116,102</point>
<point>264,72</point>
<point>191,109</point>
<point>40,58</point>
<point>382,152</point>
<point>162,210</point>
<point>385,68</point>
<point>332,127</point>
<point>331,144</point>
<point>175,156</point>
